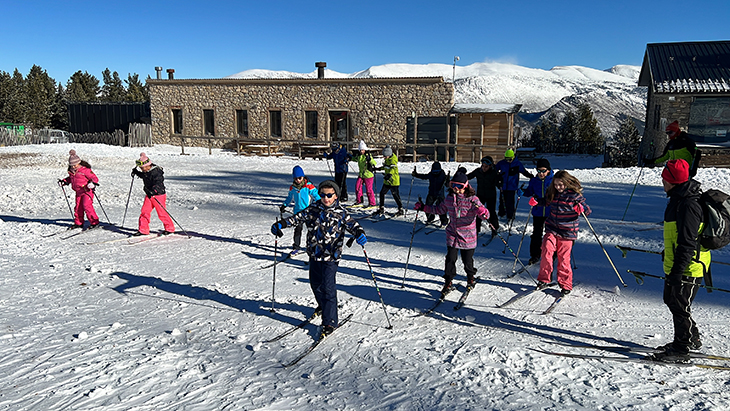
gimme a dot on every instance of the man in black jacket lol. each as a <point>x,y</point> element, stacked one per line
<point>487,181</point>
<point>684,263</point>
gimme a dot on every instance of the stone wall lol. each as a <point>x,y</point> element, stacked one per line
<point>378,108</point>
<point>672,107</point>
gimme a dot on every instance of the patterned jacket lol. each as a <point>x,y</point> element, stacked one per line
<point>462,231</point>
<point>563,220</point>
<point>326,228</point>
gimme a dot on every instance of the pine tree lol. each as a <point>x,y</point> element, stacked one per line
<point>17,101</point>
<point>5,87</point>
<point>136,91</point>
<point>626,144</point>
<point>59,109</point>
<point>40,90</point>
<point>588,134</point>
<point>113,89</point>
<point>82,88</point>
<point>567,133</point>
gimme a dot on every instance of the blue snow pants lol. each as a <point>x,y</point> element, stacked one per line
<point>322,280</point>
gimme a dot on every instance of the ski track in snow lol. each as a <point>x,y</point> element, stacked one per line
<point>176,323</point>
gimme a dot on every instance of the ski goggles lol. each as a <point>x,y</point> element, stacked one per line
<point>458,186</point>
<point>542,170</point>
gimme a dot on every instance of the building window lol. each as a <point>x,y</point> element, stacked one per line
<point>208,122</point>
<point>275,123</point>
<point>310,126</point>
<point>709,120</point>
<point>177,124</point>
<point>242,123</point>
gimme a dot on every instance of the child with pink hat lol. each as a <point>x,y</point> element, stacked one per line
<point>155,197</point>
<point>82,181</point>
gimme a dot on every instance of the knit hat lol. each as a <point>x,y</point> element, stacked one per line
<point>461,169</point>
<point>387,151</point>
<point>460,177</point>
<point>143,160</point>
<point>509,154</point>
<point>73,159</point>
<point>487,160</point>
<point>334,146</point>
<point>543,163</point>
<point>331,184</point>
<point>436,166</point>
<point>676,171</point>
<point>673,127</point>
<point>362,146</point>
<point>297,172</point>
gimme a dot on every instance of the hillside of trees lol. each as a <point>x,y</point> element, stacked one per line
<point>40,101</point>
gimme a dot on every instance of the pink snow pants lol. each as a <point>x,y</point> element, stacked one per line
<point>85,205</point>
<point>368,187</point>
<point>551,245</point>
<point>144,216</point>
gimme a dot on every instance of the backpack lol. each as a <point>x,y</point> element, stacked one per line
<point>716,216</point>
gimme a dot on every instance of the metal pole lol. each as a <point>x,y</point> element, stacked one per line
<point>127,206</point>
<point>173,218</point>
<point>604,249</point>
<point>102,207</point>
<point>413,233</point>
<point>390,326</point>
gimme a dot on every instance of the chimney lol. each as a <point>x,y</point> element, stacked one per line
<point>158,69</point>
<point>320,68</point>
<point>170,74</point>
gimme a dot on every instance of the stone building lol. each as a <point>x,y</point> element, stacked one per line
<point>312,110</point>
<point>688,82</point>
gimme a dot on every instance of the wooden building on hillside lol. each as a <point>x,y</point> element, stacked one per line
<point>491,126</point>
<point>688,82</point>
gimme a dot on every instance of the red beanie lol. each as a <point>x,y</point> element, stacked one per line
<point>673,127</point>
<point>676,171</point>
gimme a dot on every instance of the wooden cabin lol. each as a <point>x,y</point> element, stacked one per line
<point>490,126</point>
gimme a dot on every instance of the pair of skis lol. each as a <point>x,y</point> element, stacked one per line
<point>313,345</point>
<point>637,350</point>
<point>523,295</point>
<point>283,259</point>
<point>442,298</point>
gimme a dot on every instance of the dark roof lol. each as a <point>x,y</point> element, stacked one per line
<point>485,108</point>
<point>691,67</point>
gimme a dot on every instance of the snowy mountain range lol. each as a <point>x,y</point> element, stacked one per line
<point>613,94</point>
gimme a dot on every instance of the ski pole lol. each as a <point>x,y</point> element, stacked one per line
<point>639,276</point>
<point>413,233</point>
<point>625,250</point>
<point>102,207</point>
<point>390,326</point>
<point>510,250</point>
<point>67,202</point>
<point>127,206</point>
<point>632,192</point>
<point>329,168</point>
<point>512,220</point>
<point>173,218</point>
<point>524,230</point>
<point>408,201</point>
<point>603,248</point>
<point>273,282</point>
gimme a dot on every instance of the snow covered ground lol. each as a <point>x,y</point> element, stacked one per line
<point>179,324</point>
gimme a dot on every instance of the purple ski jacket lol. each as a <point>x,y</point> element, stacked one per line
<point>461,232</point>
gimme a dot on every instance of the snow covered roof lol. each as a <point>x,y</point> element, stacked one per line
<point>691,67</point>
<point>486,108</point>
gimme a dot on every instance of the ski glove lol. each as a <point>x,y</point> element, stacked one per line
<point>361,239</point>
<point>62,182</point>
<point>282,208</point>
<point>674,280</point>
<point>418,206</point>
<point>91,185</point>
<point>520,191</point>
<point>532,202</point>
<point>578,208</point>
<point>483,212</point>
<point>134,171</point>
<point>276,229</point>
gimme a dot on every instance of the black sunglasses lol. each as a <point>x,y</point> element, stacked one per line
<point>328,195</point>
<point>542,170</point>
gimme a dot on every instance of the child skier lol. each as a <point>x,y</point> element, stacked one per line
<point>83,181</point>
<point>463,207</point>
<point>326,222</point>
<point>509,171</point>
<point>302,192</point>
<point>155,197</point>
<point>436,182</point>
<point>366,176</point>
<point>391,180</point>
<point>341,157</point>
<point>487,182</point>
<point>566,202</point>
<point>537,190</point>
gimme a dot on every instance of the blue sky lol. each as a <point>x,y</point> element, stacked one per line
<point>214,39</point>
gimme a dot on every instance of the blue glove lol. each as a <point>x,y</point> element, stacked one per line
<point>276,230</point>
<point>520,191</point>
<point>361,239</point>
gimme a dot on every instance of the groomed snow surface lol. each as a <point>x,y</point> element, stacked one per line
<point>179,323</point>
